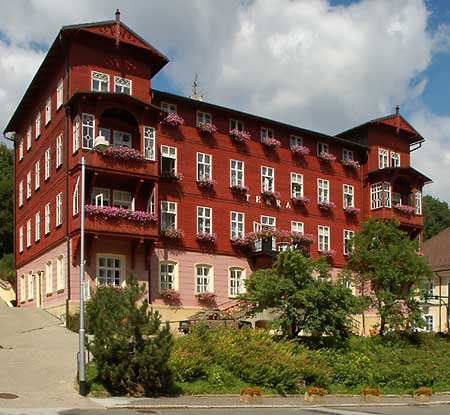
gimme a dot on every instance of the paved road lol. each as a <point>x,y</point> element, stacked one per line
<point>37,360</point>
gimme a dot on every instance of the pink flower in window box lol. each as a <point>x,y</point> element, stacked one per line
<point>171,176</point>
<point>170,295</point>
<point>123,153</point>
<point>172,233</point>
<point>270,194</point>
<point>350,163</point>
<point>409,210</point>
<point>350,210</point>
<point>266,232</point>
<point>298,150</point>
<point>326,205</point>
<point>302,238</point>
<point>240,242</point>
<point>328,253</point>
<point>325,156</point>
<point>300,200</point>
<point>240,136</point>
<point>239,188</point>
<point>207,237</point>
<point>206,297</point>
<point>173,120</point>
<point>284,235</point>
<point>206,183</point>
<point>272,142</point>
<point>115,213</point>
<point>207,127</point>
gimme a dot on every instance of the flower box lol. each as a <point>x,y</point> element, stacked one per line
<point>300,200</point>
<point>299,150</point>
<point>326,205</point>
<point>250,395</point>
<point>272,142</point>
<point>206,183</point>
<point>206,237</point>
<point>123,153</point>
<point>240,242</point>
<point>206,297</point>
<point>173,120</point>
<point>302,238</point>
<point>206,127</point>
<point>170,295</point>
<point>270,194</point>
<point>171,176</point>
<point>328,157</point>
<point>350,163</point>
<point>240,136</point>
<point>351,210</point>
<point>172,233</point>
<point>408,210</point>
<point>239,188</point>
<point>329,253</point>
<point>114,213</point>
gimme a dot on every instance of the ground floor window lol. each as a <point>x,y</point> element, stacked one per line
<point>237,278</point>
<point>167,275</point>
<point>110,269</point>
<point>429,322</point>
<point>203,278</point>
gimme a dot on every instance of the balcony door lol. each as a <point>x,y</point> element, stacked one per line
<point>121,139</point>
<point>258,242</point>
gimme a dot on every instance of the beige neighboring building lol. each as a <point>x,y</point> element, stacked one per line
<point>437,251</point>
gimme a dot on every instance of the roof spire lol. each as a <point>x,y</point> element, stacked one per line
<point>117,28</point>
<point>397,109</point>
<point>195,95</point>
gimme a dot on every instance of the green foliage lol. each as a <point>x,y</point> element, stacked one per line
<point>305,302</point>
<point>6,200</point>
<point>7,271</point>
<point>130,350</point>
<point>386,257</point>
<point>436,216</point>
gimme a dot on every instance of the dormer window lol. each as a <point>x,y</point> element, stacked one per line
<point>100,82</point>
<point>122,85</point>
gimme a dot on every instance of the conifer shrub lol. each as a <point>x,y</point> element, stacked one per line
<point>130,349</point>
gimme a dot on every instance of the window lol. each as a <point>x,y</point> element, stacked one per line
<point>349,196</point>
<point>418,202</point>
<point>59,209</point>
<point>47,164</point>
<point>266,133</point>
<point>21,239</point>
<point>48,277</point>
<point>323,190</point>
<point>149,143</point>
<point>429,322</point>
<point>151,202</point>
<point>58,151</point>
<point>236,125</point>
<point>203,278</point>
<point>21,150</point>
<point>296,140</point>
<point>28,233</point>
<point>170,108</point>
<point>122,85</point>
<point>322,148</point>
<point>48,110</point>
<point>383,158</point>
<point>28,184</point>
<point>29,138</point>
<point>59,94</point>
<point>22,289</point>
<point>237,278</point>
<point>110,269</point>
<point>203,118</point>
<point>76,197</point>
<point>37,175</point>
<point>60,274</point>
<point>296,185</point>
<point>267,179</point>
<point>100,82</point>
<point>428,289</point>
<point>236,173</point>
<point>105,132</point>
<point>387,194</point>
<point>168,159</point>
<point>37,228</point>
<point>122,199</point>
<point>47,219</point>
<point>348,241</point>
<point>347,155</point>
<point>30,286</point>
<point>297,226</point>
<point>87,130</point>
<point>324,238</point>
<point>237,226</point>
<point>376,196</point>
<point>21,193</point>
<point>121,139</point>
<point>203,166</point>
<point>38,125</point>
<point>395,159</point>
<point>268,222</point>
<point>100,196</point>
<point>76,134</point>
<point>168,215</point>
<point>204,219</point>
<point>167,275</point>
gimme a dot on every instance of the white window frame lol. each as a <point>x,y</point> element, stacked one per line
<point>47,162</point>
<point>296,140</point>
<point>267,179</point>
<point>28,184</point>
<point>236,286</point>
<point>323,240</point>
<point>76,198</point>
<point>149,142</point>
<point>418,204</point>
<point>101,79</point>
<point>387,195</point>
<point>237,224</point>
<point>170,208</point>
<point>348,192</point>
<point>429,317</point>
<point>322,147</point>
<point>49,277</point>
<point>29,138</point>
<point>101,196</point>
<point>30,286</point>
<point>237,173</point>
<point>395,159</point>
<point>204,219</point>
<point>122,199</point>
<point>76,134</point>
<point>169,107</point>
<point>37,123</point>
<point>204,282</point>
<point>21,239</point>
<point>47,219</point>
<point>297,226</point>
<point>37,175</point>
<point>28,233</point>
<point>347,155</point>
<point>236,125</point>
<point>323,190</point>
<point>122,139</point>
<point>296,185</point>
<point>23,289</point>
<point>151,202</point>
<point>58,220</point>
<point>266,133</point>
<point>376,196</point>
<point>120,84</point>
<point>121,268</point>
<point>169,152</point>
<point>60,273</point>
<point>87,130</point>
<point>21,193</point>
<point>203,118</point>
<point>37,226</point>
<point>348,234</point>
<point>383,158</point>
<point>21,149</point>
<point>48,110</point>
<point>171,277</point>
<point>204,166</point>
<point>59,94</point>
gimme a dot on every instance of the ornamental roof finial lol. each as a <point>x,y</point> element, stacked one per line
<point>397,109</point>
<point>117,28</point>
<point>195,95</point>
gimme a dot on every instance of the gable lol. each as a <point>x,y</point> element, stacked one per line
<point>397,121</point>
<point>125,35</point>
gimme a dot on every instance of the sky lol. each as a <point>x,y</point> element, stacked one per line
<point>325,65</point>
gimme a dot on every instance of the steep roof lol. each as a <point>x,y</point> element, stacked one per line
<point>437,250</point>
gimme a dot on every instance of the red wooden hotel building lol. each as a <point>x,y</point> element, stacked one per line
<point>191,207</point>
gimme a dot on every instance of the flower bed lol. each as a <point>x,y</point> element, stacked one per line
<point>206,237</point>
<point>240,136</point>
<point>239,188</point>
<point>409,210</point>
<point>206,127</point>
<point>350,163</point>
<point>206,297</point>
<point>270,194</point>
<point>325,156</point>
<point>114,213</point>
<point>172,233</point>
<point>123,153</point>
<point>326,205</point>
<point>173,120</point>
<point>328,253</point>
<point>351,210</point>
<point>299,150</point>
<point>272,142</point>
<point>206,183</point>
<point>300,200</point>
<point>170,295</point>
<point>171,176</point>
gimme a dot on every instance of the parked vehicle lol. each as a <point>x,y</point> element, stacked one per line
<point>212,318</point>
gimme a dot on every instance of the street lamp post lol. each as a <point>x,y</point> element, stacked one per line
<point>100,144</point>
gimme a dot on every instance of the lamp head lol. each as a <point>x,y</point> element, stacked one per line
<point>101,144</point>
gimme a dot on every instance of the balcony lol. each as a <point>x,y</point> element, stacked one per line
<point>403,217</point>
